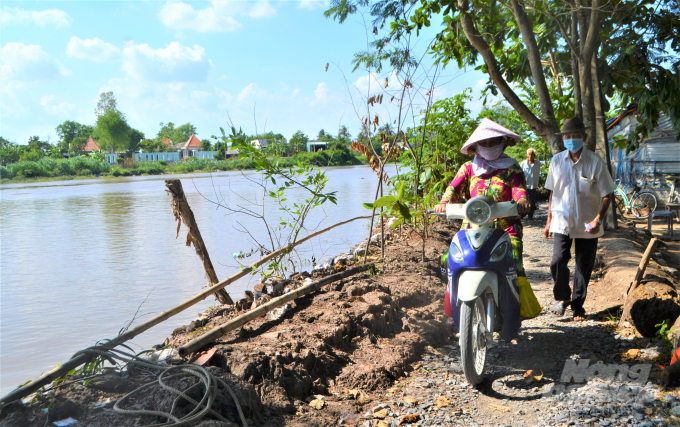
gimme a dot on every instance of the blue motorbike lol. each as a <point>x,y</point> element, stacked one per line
<point>482,295</point>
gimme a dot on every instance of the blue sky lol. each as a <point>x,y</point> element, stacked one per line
<point>198,62</point>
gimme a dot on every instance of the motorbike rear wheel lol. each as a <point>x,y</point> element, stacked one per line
<point>472,339</point>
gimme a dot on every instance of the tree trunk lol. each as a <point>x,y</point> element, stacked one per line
<point>183,213</point>
<point>589,27</point>
<point>527,29</point>
<point>545,129</point>
<point>599,129</point>
<point>575,79</point>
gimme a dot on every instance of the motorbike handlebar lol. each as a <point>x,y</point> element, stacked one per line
<point>432,212</point>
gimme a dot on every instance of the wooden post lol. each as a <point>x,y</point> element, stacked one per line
<point>184,214</point>
<point>260,311</point>
<point>643,264</point>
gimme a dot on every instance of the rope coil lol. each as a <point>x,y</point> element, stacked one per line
<point>210,382</point>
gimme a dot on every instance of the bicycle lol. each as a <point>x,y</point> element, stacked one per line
<point>640,204</point>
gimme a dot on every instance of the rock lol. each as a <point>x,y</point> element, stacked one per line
<point>317,404</point>
<point>260,288</point>
<point>381,414</point>
<point>111,383</point>
<point>650,304</point>
<point>676,411</point>
<point>409,419</point>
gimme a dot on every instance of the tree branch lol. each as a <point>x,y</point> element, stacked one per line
<point>483,48</point>
<point>593,32</point>
<point>527,29</point>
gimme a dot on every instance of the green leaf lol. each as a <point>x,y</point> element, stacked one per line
<point>404,211</point>
<point>368,206</point>
<point>384,201</point>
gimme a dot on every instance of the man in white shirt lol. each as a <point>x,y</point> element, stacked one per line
<point>580,185</point>
<point>532,172</point>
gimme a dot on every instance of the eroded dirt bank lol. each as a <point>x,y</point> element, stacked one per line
<point>374,349</point>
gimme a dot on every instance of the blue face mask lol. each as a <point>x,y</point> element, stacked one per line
<point>573,145</point>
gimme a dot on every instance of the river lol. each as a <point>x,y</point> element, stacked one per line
<point>79,258</point>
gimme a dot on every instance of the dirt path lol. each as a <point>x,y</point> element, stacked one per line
<point>545,343</point>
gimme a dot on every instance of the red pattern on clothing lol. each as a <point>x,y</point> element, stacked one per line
<point>506,184</point>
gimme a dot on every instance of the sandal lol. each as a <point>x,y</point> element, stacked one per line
<point>560,307</point>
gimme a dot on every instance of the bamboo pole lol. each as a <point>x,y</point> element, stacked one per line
<point>183,213</point>
<point>58,372</point>
<point>643,264</point>
<point>241,320</point>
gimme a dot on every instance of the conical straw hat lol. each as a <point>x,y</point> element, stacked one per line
<point>489,129</point>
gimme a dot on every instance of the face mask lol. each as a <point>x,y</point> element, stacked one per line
<point>490,153</point>
<point>573,145</point>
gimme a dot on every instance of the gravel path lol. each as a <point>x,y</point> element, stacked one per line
<point>440,395</point>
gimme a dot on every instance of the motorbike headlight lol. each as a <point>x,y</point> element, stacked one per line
<point>478,212</point>
<point>456,254</point>
<point>499,253</point>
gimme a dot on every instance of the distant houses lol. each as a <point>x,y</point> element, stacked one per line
<point>259,143</point>
<point>91,146</point>
<point>316,145</point>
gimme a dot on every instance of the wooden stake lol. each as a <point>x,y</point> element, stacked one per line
<point>184,214</point>
<point>260,311</point>
<point>643,264</point>
<point>61,370</point>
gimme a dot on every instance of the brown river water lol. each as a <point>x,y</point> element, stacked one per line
<point>78,258</point>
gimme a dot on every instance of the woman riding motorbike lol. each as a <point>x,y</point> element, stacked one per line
<point>494,174</point>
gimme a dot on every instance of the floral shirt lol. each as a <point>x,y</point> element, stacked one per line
<point>501,185</point>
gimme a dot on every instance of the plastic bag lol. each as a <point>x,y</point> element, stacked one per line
<point>528,303</point>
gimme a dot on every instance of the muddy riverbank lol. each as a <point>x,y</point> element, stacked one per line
<point>374,349</point>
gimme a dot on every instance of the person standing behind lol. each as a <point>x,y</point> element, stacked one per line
<point>532,171</point>
<point>580,185</point>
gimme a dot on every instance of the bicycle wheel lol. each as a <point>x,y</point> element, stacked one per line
<point>621,206</point>
<point>643,204</point>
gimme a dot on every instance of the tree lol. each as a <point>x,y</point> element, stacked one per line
<point>572,42</point>
<point>135,137</point>
<point>321,135</point>
<point>205,144</point>
<point>107,101</point>
<point>69,131</point>
<point>299,142</point>
<point>112,131</point>
<point>176,134</point>
<point>344,134</point>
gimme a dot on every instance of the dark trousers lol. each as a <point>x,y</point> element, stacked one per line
<point>532,201</point>
<point>585,250</point>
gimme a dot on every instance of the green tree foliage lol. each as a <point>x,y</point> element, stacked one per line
<point>177,134</point>
<point>570,53</point>
<point>112,131</point>
<point>135,137</point>
<point>298,142</point>
<point>73,135</point>
<point>107,102</point>
<point>206,145</point>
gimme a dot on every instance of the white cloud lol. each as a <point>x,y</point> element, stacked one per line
<point>312,4</point>
<point>28,63</point>
<point>16,16</point>
<point>250,91</point>
<point>200,94</point>
<point>218,17</point>
<point>321,94</point>
<point>295,93</point>
<point>61,109</point>
<point>174,63</point>
<point>262,9</point>
<point>95,49</point>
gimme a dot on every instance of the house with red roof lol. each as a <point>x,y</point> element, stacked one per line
<point>192,144</point>
<point>91,145</point>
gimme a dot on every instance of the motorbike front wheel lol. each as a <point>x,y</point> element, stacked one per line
<point>472,339</point>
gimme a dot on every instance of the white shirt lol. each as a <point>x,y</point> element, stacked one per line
<point>577,189</point>
<point>531,173</point>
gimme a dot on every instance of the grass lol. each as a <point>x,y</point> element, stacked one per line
<point>48,169</point>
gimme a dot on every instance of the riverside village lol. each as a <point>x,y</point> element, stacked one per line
<point>371,213</point>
